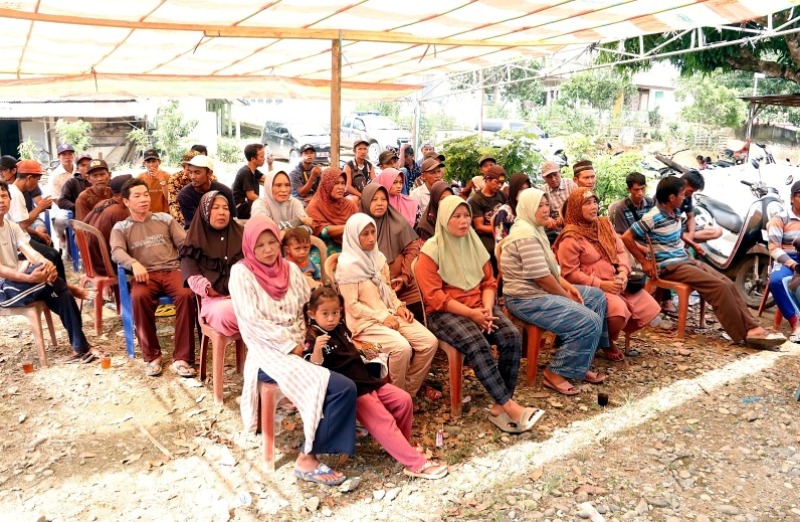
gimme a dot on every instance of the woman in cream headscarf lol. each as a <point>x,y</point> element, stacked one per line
<point>536,293</point>
<point>278,204</point>
<point>455,276</point>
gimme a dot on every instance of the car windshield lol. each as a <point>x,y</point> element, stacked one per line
<point>381,123</point>
<point>308,129</point>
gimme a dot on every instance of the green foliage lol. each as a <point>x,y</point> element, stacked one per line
<point>560,122</point>
<point>579,147</point>
<point>77,133</point>
<point>514,151</point>
<point>140,138</point>
<point>229,151</point>
<point>390,109</point>
<point>431,122</point>
<point>712,103</point>
<point>611,173</point>
<point>170,132</point>
<point>598,89</point>
<point>524,93</point>
<point>27,149</point>
<point>655,118</point>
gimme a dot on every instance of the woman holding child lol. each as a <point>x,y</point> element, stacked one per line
<point>268,295</point>
<point>590,253</point>
<point>329,209</point>
<point>456,279</point>
<point>374,313</point>
<point>212,246</point>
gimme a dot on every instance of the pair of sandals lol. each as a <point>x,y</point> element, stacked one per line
<point>83,358</point>
<point>566,388</point>
<point>526,421</point>
<point>181,369</point>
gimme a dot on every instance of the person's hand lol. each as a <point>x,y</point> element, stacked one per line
<point>307,221</point>
<point>571,291</point>
<point>559,222</point>
<point>612,287</point>
<point>550,224</point>
<point>44,237</point>
<point>405,314</point>
<point>269,161</point>
<point>643,249</point>
<point>321,341</point>
<point>396,284</point>
<point>391,322</point>
<point>700,251</point>
<point>38,275</point>
<point>649,267</point>
<point>139,272</point>
<point>212,293</point>
<point>44,203</point>
<point>316,171</point>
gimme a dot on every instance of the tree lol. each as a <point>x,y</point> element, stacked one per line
<point>77,133</point>
<point>775,57</point>
<point>513,150</point>
<point>599,89</point>
<point>519,85</point>
<point>171,130</point>
<point>711,102</point>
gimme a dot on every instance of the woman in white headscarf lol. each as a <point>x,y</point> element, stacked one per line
<point>459,289</point>
<point>536,293</point>
<point>373,311</point>
<point>278,204</point>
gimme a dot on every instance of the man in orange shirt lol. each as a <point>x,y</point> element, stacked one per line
<point>157,182</point>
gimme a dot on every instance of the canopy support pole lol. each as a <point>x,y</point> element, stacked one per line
<point>336,100</point>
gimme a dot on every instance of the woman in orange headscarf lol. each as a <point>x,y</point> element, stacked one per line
<point>590,253</point>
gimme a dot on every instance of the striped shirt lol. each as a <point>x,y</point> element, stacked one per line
<point>783,230</point>
<point>271,329</point>
<point>665,232</point>
<point>557,196</point>
<point>519,276</point>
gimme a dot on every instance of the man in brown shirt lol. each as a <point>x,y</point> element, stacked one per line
<point>103,217</point>
<point>147,243</point>
<point>98,176</point>
<point>157,182</point>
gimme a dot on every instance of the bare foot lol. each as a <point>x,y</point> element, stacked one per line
<point>84,294</point>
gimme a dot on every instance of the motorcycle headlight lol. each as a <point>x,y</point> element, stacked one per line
<point>773,208</point>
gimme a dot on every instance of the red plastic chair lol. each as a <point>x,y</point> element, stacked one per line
<point>268,396</point>
<point>219,342</point>
<point>83,232</point>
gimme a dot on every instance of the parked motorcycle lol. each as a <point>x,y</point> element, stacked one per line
<point>741,252</point>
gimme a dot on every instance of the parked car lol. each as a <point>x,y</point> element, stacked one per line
<point>496,125</point>
<point>285,139</point>
<point>376,129</point>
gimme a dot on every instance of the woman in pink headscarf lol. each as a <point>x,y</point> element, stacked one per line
<point>393,180</point>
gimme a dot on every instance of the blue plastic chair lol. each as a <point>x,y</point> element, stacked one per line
<point>127,308</point>
<point>73,247</point>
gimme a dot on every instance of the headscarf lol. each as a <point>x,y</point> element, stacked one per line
<point>274,278</point>
<point>404,204</point>
<point>600,233</point>
<point>356,264</point>
<point>394,232</point>
<point>460,259</point>
<point>525,226</point>
<point>213,251</point>
<point>427,221</point>
<point>286,211</point>
<point>323,209</point>
<point>514,187</point>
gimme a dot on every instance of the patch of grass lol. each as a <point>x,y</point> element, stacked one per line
<point>552,481</point>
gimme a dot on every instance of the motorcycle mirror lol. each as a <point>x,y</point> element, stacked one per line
<point>789,179</point>
<point>755,163</point>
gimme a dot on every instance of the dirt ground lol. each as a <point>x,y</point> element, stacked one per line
<point>697,430</point>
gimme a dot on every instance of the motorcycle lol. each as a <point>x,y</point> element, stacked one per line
<point>741,252</point>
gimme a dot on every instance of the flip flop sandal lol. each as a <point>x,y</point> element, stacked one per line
<point>361,431</point>
<point>424,472</point>
<point>73,358</point>
<point>771,340</point>
<point>633,352</point>
<point>88,357</point>
<point>564,389</point>
<point>613,355</point>
<point>795,337</point>
<point>153,369</point>
<point>314,474</point>
<point>596,379</point>
<point>532,415</point>
<point>504,423</point>
<point>167,310</point>
<point>182,369</point>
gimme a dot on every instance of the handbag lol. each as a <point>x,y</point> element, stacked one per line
<point>636,281</point>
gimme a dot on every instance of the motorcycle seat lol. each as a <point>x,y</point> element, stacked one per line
<point>723,214</point>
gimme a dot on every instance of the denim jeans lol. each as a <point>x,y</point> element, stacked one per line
<point>581,328</point>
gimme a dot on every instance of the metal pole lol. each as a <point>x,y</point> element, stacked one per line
<point>336,99</point>
<point>480,114</point>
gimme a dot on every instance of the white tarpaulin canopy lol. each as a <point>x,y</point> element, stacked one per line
<point>262,48</point>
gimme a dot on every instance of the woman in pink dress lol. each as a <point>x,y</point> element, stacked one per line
<point>591,253</point>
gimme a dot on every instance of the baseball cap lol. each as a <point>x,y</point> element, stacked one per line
<point>485,159</point>
<point>387,156</point>
<point>581,166</point>
<point>495,172</point>
<point>550,167</point>
<point>151,154</point>
<point>430,164</point>
<point>188,155</point>
<point>117,182</point>
<point>64,147</point>
<point>97,165</point>
<point>202,161</point>
<point>795,187</point>
<point>359,142</point>
<point>308,147</point>
<point>8,162</point>
<point>29,167</point>
<point>84,156</point>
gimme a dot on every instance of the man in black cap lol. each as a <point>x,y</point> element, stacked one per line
<point>432,171</point>
<point>98,175</point>
<point>246,185</point>
<point>104,216</point>
<point>157,181</point>
<point>305,175</point>
<point>388,159</point>
<point>358,171</point>
<point>8,169</point>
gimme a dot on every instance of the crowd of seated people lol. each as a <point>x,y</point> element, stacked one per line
<point>245,255</point>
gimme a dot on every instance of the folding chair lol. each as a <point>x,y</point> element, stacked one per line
<point>33,312</point>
